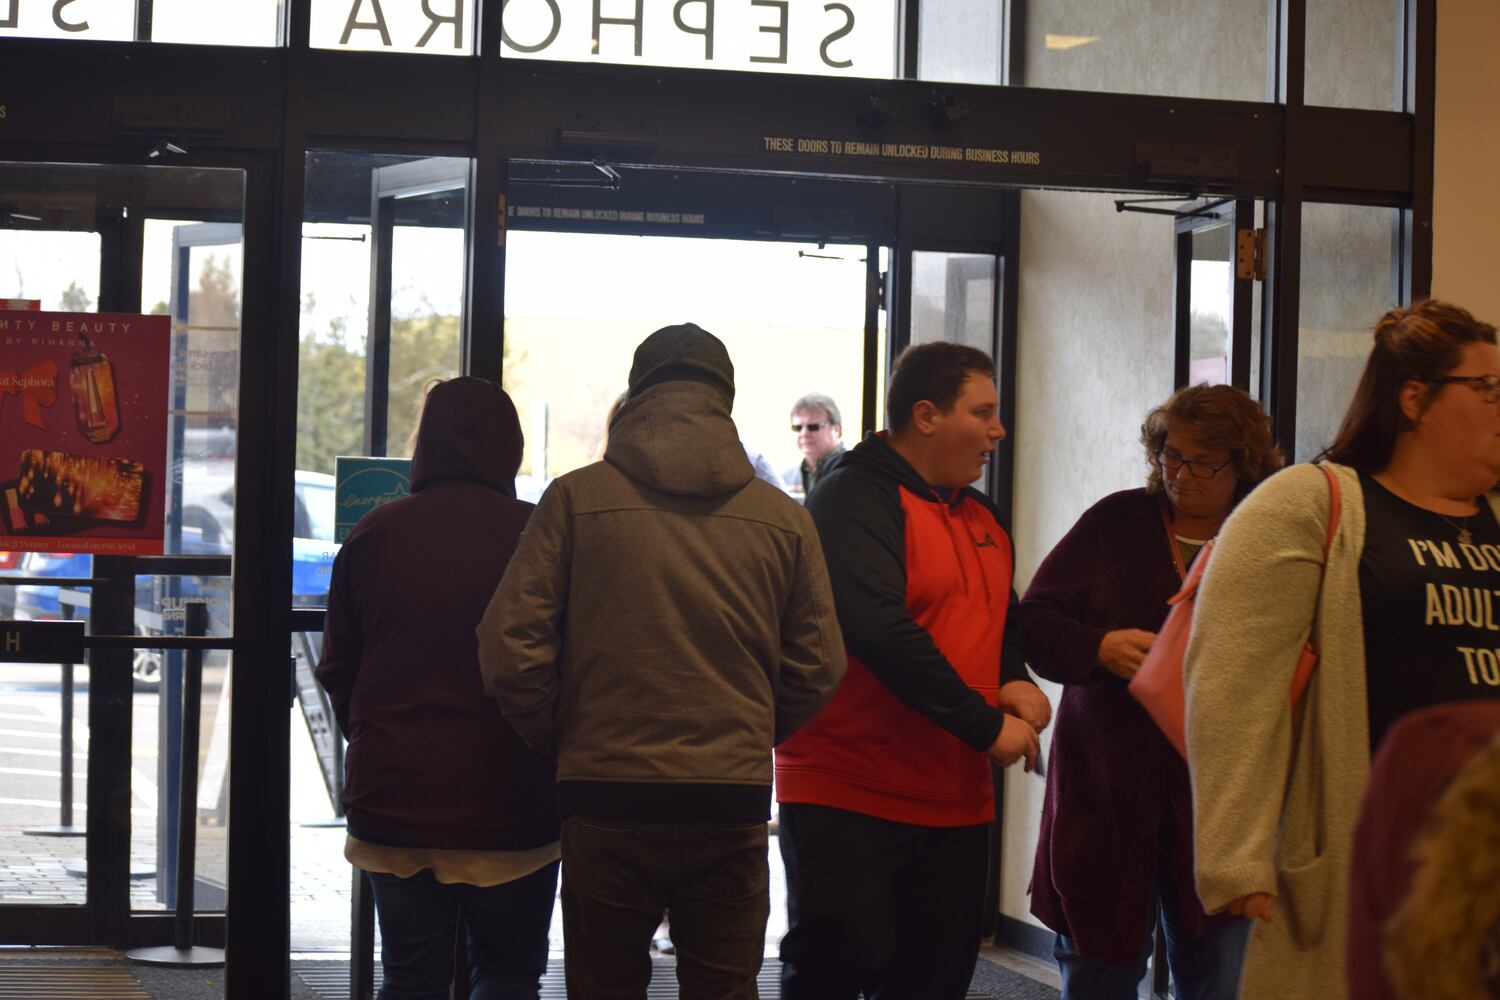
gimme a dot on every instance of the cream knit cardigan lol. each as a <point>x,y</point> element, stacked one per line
<point>1276,793</point>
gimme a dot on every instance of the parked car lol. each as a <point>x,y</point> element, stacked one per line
<point>207,529</point>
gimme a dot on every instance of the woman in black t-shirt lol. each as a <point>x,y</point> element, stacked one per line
<point>1407,615</point>
<point>1424,435</point>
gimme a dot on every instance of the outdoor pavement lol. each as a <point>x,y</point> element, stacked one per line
<point>34,869</point>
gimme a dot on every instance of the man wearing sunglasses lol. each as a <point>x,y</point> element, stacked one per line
<point>816,422</point>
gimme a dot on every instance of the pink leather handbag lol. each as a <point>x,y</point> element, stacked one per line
<point>1157,685</point>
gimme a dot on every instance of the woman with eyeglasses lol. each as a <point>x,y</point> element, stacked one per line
<point>1116,838</point>
<point>1405,615</point>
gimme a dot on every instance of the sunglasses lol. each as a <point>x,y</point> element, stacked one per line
<point>811,428</point>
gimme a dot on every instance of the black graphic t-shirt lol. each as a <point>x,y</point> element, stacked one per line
<point>1431,607</point>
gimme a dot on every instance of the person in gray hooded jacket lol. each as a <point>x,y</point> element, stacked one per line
<point>666,619</point>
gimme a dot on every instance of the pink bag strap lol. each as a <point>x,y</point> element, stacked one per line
<point>1335,512</point>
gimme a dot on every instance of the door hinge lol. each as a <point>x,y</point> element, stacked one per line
<point>1250,254</point>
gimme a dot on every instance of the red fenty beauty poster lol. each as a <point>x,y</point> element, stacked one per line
<point>83,431</point>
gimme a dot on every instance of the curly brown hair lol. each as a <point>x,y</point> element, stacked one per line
<point>1220,416</point>
<point>1444,940</point>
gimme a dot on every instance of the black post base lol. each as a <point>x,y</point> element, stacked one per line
<point>177,958</point>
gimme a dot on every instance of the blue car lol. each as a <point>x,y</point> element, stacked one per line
<point>207,529</point>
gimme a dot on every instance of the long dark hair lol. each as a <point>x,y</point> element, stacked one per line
<point>1418,343</point>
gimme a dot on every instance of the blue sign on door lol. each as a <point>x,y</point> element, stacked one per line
<point>362,484</point>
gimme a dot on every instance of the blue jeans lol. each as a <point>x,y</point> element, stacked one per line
<point>506,927</point>
<point>1203,968</point>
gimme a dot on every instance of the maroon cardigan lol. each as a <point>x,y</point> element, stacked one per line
<point>431,761</point>
<point>1115,786</point>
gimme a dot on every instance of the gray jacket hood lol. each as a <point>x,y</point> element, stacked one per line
<point>678,438</point>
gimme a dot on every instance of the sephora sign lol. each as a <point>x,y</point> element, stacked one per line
<point>822,37</point>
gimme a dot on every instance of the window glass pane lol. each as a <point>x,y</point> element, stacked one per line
<point>962,41</point>
<point>60,269</point>
<point>567,356</point>
<point>1346,288</point>
<point>95,20</point>
<point>433,27</point>
<point>1212,300</point>
<point>1351,54</point>
<point>156,735</point>
<point>1181,48</point>
<point>850,38</point>
<point>413,255</point>
<point>241,22</point>
<point>953,299</point>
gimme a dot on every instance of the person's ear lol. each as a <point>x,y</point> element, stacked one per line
<point>1410,399</point>
<point>924,416</point>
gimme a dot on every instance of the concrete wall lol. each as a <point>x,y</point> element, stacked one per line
<point>1466,215</point>
<point>1095,354</point>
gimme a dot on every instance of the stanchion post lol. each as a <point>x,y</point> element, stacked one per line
<point>65,827</point>
<point>187,787</point>
<point>182,952</point>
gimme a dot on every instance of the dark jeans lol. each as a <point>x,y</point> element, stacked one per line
<point>506,927</point>
<point>620,876</point>
<point>1206,967</point>
<point>888,908</point>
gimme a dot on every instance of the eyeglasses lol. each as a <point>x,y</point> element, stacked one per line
<point>1487,386</point>
<point>811,428</point>
<point>1171,462</point>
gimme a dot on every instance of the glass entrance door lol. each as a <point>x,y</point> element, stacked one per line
<point>791,314</point>
<point>93,747</point>
<point>1216,256</point>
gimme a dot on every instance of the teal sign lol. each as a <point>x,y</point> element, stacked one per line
<point>362,484</point>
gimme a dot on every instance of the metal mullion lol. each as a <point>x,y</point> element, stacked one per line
<point>1280,314</point>
<point>1419,99</point>
<point>898,318</point>
<point>257,940</point>
<point>144,14</point>
<point>1182,306</point>
<point>870,371</point>
<point>1014,74</point>
<point>296,26</point>
<point>1284,233</point>
<point>910,29</point>
<point>1241,305</point>
<point>378,342</point>
<point>484,276</point>
<point>1008,317</point>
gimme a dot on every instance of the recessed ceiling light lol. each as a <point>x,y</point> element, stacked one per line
<point>1069,41</point>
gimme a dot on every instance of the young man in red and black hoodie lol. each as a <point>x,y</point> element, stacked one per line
<point>885,796</point>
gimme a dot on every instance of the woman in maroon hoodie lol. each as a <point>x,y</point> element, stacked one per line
<point>1116,837</point>
<point>452,817</point>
